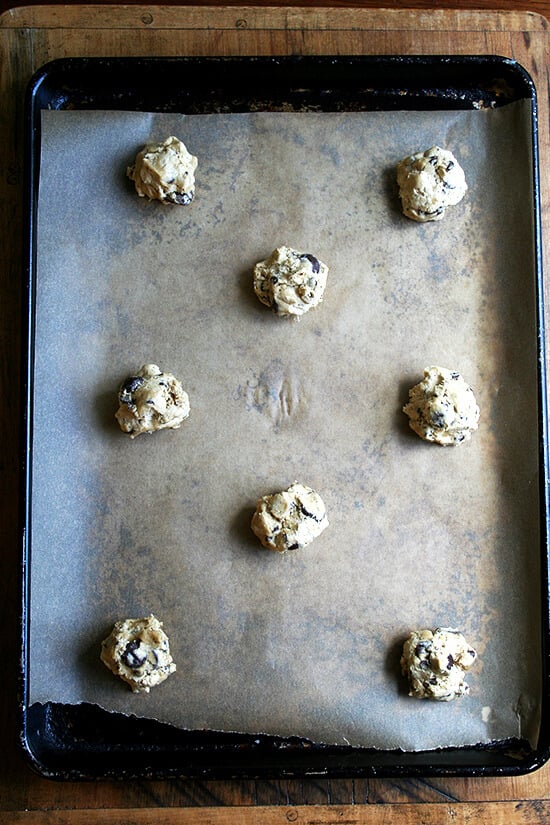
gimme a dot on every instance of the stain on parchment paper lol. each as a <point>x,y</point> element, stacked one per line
<point>273,392</point>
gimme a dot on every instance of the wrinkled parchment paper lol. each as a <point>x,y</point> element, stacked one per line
<point>303,644</point>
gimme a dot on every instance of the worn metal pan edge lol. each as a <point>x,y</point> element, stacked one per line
<point>67,742</point>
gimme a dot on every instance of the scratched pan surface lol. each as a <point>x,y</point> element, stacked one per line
<point>85,741</point>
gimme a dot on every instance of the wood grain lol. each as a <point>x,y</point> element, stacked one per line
<point>29,37</point>
<point>501,813</point>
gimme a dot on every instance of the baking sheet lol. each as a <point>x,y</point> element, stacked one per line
<point>302,644</point>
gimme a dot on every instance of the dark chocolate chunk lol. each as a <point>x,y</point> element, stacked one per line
<point>128,388</point>
<point>438,419</point>
<point>422,649</point>
<point>135,655</point>
<point>307,514</point>
<point>315,265</point>
<point>182,198</point>
<point>438,211</point>
<point>132,383</point>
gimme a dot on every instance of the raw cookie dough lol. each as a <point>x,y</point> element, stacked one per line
<point>442,407</point>
<point>435,663</point>
<point>138,651</point>
<point>290,282</point>
<point>151,400</point>
<point>290,519</point>
<point>165,172</point>
<point>429,182</point>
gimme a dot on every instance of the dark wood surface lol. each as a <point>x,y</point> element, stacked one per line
<point>28,37</point>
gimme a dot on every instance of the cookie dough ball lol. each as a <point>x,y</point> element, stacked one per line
<point>138,651</point>
<point>442,407</point>
<point>165,172</point>
<point>290,282</point>
<point>435,664</point>
<point>429,182</point>
<point>151,400</point>
<point>290,519</point>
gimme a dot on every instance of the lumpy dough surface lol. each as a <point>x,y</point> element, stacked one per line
<point>442,407</point>
<point>290,282</point>
<point>435,664</point>
<point>290,519</point>
<point>138,651</point>
<point>429,182</point>
<point>151,400</point>
<point>165,172</point>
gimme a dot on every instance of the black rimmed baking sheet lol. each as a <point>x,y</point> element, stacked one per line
<point>66,740</point>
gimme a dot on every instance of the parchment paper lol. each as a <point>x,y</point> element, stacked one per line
<point>308,643</point>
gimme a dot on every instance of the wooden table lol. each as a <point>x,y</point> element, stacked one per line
<point>28,38</point>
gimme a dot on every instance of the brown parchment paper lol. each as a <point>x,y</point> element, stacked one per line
<point>303,644</point>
